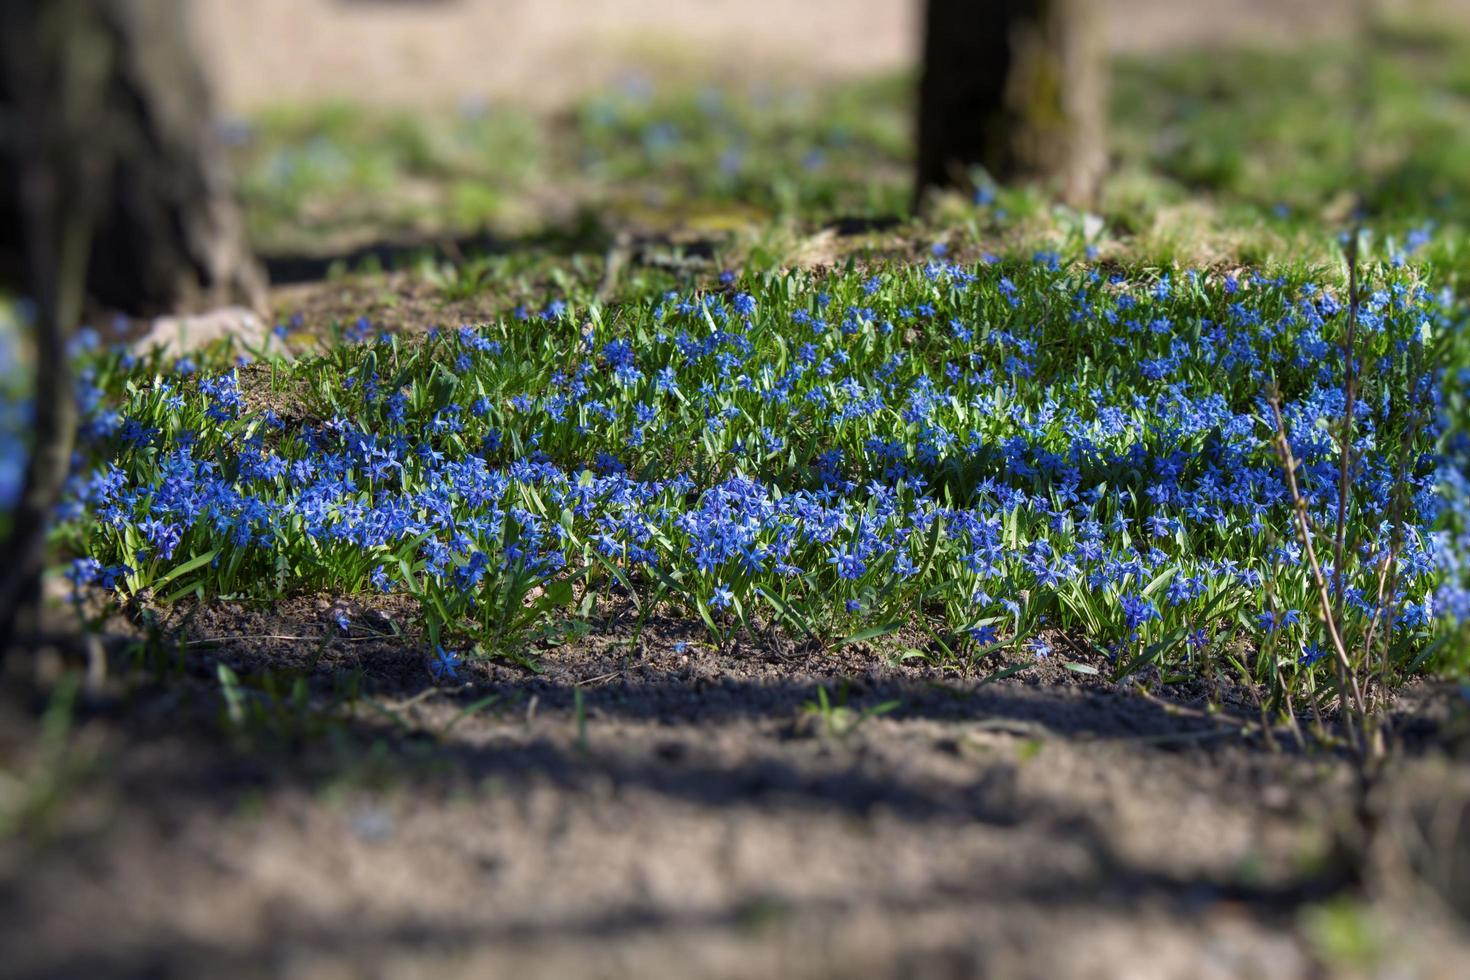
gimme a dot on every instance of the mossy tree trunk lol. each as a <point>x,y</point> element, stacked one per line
<point>1017,87</point>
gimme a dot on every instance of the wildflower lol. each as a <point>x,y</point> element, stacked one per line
<point>1311,654</point>
<point>849,566</point>
<point>1270,621</point>
<point>163,537</point>
<point>444,664</point>
<point>1137,611</point>
<point>984,635</point>
<point>84,571</point>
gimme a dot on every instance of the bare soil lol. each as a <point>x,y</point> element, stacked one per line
<point>656,807</point>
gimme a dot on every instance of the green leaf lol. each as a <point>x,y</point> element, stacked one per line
<point>871,633</point>
<point>668,581</point>
<point>198,561</point>
<point>621,577</point>
<point>1080,668</point>
<point>229,683</point>
<point>1161,581</point>
<point>1005,672</point>
<point>704,615</point>
<point>195,587</point>
<point>1429,652</point>
<point>472,708</point>
<point>442,385</point>
<point>785,612</point>
<point>557,593</point>
<point>882,709</point>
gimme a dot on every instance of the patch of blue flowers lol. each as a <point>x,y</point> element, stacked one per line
<point>996,456</point>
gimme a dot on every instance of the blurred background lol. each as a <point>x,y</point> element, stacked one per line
<point>360,121</point>
<point>549,53</point>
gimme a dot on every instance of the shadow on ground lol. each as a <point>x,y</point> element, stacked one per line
<point>637,806</point>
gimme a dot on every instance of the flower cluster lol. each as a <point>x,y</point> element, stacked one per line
<point>994,451</point>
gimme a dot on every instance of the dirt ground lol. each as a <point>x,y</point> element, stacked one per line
<point>662,809</point>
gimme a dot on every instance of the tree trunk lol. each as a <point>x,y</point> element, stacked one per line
<point>1016,87</point>
<point>110,187</point>
<point>167,233</point>
<point>55,65</point>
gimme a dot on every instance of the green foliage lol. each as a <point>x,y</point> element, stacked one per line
<point>836,719</point>
<point>989,454</point>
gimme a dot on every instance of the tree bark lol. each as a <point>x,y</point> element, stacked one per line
<point>168,234</point>
<point>54,76</point>
<point>1017,87</point>
<point>111,187</point>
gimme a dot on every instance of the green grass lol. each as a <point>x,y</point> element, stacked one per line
<point>1295,139</point>
<point>1014,460</point>
<point>1244,157</point>
<point>315,176</point>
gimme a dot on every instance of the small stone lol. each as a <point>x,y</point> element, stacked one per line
<point>1276,797</point>
<point>178,336</point>
<point>378,620</point>
<point>372,824</point>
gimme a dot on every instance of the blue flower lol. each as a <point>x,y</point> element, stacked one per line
<point>984,635</point>
<point>1311,654</point>
<point>1137,611</point>
<point>722,597</point>
<point>848,564</point>
<point>444,664</point>
<point>163,537</point>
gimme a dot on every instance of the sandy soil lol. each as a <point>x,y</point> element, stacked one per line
<point>694,818</point>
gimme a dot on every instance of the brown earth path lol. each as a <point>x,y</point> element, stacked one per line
<point>661,809</point>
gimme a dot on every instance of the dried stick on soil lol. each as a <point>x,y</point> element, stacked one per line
<point>1345,445</point>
